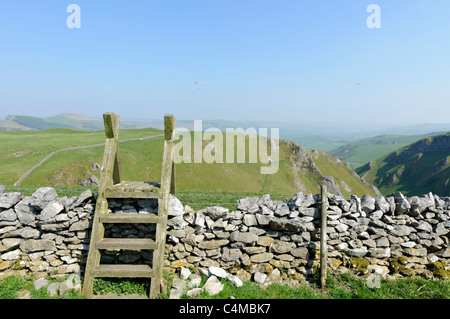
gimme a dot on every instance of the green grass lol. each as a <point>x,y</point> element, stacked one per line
<point>12,285</point>
<point>201,199</point>
<point>103,286</point>
<point>349,287</point>
<point>251,290</point>
<point>345,286</point>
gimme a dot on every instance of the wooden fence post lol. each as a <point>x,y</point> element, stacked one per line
<point>323,236</point>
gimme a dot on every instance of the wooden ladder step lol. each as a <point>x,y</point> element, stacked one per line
<point>126,243</point>
<point>133,190</point>
<point>123,271</point>
<point>138,195</point>
<point>130,218</point>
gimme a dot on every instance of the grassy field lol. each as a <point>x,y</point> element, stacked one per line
<point>21,150</point>
<point>345,286</point>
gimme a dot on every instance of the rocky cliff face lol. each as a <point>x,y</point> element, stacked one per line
<point>306,171</point>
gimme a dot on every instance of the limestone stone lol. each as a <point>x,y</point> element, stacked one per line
<point>32,245</point>
<point>231,254</point>
<point>212,244</point>
<point>217,271</point>
<point>49,212</point>
<point>265,241</point>
<point>8,200</point>
<point>261,258</point>
<point>281,247</point>
<point>11,255</point>
<point>217,212</point>
<point>235,280</point>
<point>259,277</point>
<point>250,220</point>
<point>300,252</point>
<point>8,215</point>
<point>285,224</point>
<point>213,286</point>
<point>249,204</point>
<point>367,204</point>
<point>40,283</point>
<point>281,210</point>
<point>194,293</point>
<point>244,237</point>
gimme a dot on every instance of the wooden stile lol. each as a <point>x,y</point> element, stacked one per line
<point>112,186</point>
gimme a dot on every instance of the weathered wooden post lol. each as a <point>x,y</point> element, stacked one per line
<point>323,235</point>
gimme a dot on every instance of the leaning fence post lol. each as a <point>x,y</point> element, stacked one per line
<point>323,236</point>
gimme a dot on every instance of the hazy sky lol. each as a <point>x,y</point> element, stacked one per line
<point>257,60</point>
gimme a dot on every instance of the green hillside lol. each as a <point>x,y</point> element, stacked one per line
<point>35,123</point>
<point>76,122</point>
<point>32,123</point>
<point>67,120</point>
<point>299,168</point>
<point>364,150</point>
<point>415,169</point>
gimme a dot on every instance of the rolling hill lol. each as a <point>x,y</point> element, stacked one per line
<point>66,120</point>
<point>300,169</point>
<point>418,168</point>
<point>362,151</point>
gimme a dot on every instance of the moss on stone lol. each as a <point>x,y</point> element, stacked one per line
<point>360,264</point>
<point>403,260</point>
<point>397,266</point>
<point>438,269</point>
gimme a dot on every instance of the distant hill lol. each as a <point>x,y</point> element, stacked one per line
<point>415,129</point>
<point>32,123</point>
<point>362,151</point>
<point>66,120</point>
<point>415,169</point>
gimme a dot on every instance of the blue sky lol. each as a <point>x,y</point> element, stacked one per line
<point>257,60</point>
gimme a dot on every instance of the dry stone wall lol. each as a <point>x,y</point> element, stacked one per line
<point>390,236</point>
<point>44,232</point>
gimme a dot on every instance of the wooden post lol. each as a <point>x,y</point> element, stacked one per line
<point>173,183</point>
<point>109,166</point>
<point>169,132</point>
<point>163,204</point>
<point>323,236</point>
<point>169,126</point>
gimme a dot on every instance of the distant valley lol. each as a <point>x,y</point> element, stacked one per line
<point>421,167</point>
